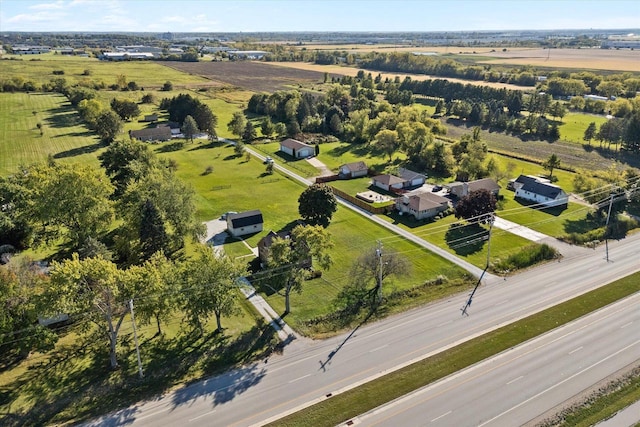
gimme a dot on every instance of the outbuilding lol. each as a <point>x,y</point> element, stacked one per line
<point>297,149</point>
<point>249,222</point>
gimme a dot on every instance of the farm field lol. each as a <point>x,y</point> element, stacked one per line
<point>63,135</point>
<point>580,59</point>
<point>251,75</point>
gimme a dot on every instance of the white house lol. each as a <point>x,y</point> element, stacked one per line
<point>422,205</point>
<point>535,190</point>
<point>353,170</point>
<point>242,223</point>
<point>297,149</point>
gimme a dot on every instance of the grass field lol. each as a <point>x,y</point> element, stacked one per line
<point>553,222</point>
<point>146,74</point>
<point>63,134</point>
<point>574,124</point>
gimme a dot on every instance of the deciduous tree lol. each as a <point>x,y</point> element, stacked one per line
<point>237,124</point>
<point>108,125</point>
<point>189,128</point>
<point>552,163</point>
<point>126,161</point>
<point>476,207</point>
<point>317,204</point>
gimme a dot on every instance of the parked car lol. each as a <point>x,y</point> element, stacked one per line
<point>436,188</point>
<point>226,214</point>
<point>268,160</point>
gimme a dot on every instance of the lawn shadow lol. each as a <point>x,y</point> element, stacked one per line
<point>211,144</point>
<point>408,220</point>
<point>173,146</point>
<point>78,151</point>
<point>555,210</point>
<point>466,239</point>
<point>62,117</point>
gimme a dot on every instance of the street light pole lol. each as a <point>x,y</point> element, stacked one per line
<point>379,255</point>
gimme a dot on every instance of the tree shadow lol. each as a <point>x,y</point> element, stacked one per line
<point>173,146</point>
<point>78,151</point>
<point>211,144</point>
<point>62,117</point>
<point>466,239</point>
<point>555,210</point>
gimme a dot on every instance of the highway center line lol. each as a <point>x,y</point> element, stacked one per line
<point>298,379</point>
<point>441,416</point>
<point>515,379</point>
<point>202,415</point>
<point>577,349</point>
<point>624,326</point>
<point>378,348</point>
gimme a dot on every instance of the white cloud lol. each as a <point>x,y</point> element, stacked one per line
<point>48,6</point>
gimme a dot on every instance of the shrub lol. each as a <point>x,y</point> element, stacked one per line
<point>58,72</point>
<point>208,170</point>
<point>528,256</point>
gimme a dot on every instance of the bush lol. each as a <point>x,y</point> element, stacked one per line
<point>208,170</point>
<point>58,72</point>
<point>528,256</point>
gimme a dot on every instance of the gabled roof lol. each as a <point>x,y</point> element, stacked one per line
<point>425,201</point>
<point>484,183</point>
<point>267,240</point>
<point>355,166</point>
<point>294,144</point>
<point>244,219</point>
<point>157,133</point>
<point>410,175</point>
<point>388,179</point>
<point>533,185</point>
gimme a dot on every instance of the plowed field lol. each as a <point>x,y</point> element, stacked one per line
<point>254,76</point>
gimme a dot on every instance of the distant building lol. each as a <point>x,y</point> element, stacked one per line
<point>30,50</point>
<point>411,178</point>
<point>247,54</point>
<point>161,133</point>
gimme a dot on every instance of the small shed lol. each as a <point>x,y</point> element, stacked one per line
<point>242,223</point>
<point>297,149</point>
<point>353,170</point>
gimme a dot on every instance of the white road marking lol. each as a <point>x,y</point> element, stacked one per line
<point>515,379</point>
<point>501,302</point>
<point>203,415</point>
<point>378,348</point>
<point>577,349</point>
<point>298,379</point>
<point>441,416</point>
<point>624,326</point>
<point>445,323</point>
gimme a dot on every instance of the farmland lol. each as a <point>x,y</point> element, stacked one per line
<point>253,76</point>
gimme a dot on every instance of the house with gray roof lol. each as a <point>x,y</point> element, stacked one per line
<point>461,189</point>
<point>249,222</point>
<point>353,170</point>
<point>538,191</point>
<point>412,179</point>
<point>160,133</point>
<point>422,205</point>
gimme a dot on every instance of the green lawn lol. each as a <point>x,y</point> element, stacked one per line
<point>553,222</point>
<point>574,124</point>
<point>63,134</point>
<point>335,154</point>
<point>299,166</point>
<point>146,74</point>
<point>521,167</point>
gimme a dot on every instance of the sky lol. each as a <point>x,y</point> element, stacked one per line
<point>318,15</point>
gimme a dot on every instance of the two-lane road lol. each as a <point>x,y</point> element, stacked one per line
<point>518,385</point>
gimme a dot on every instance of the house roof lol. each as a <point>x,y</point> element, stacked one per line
<point>533,185</point>
<point>244,219</point>
<point>267,240</point>
<point>410,175</point>
<point>425,201</point>
<point>355,166</point>
<point>479,184</point>
<point>151,133</point>
<point>294,144</point>
<point>388,179</point>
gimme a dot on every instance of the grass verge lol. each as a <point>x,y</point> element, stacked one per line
<point>361,399</point>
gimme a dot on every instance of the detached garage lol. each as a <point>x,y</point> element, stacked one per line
<point>242,223</point>
<point>297,149</point>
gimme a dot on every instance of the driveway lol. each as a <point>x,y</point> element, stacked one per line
<point>216,234</point>
<point>324,170</point>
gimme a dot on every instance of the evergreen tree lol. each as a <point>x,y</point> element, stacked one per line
<point>153,236</point>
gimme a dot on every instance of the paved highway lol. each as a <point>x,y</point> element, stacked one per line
<point>307,371</point>
<point>516,386</point>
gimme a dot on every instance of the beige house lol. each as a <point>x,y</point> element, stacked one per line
<point>422,205</point>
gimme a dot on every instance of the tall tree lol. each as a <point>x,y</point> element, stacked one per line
<point>553,162</point>
<point>67,200</point>
<point>387,142</point>
<point>590,132</point>
<point>317,204</point>
<point>153,236</point>
<point>289,259</point>
<point>210,287</point>
<point>95,289</point>
<point>189,128</point>
<point>375,265</point>
<point>237,124</point>
<point>125,109</point>
<point>476,207</point>
<point>249,133</point>
<point>267,127</point>
<point>126,161</point>
<point>108,125</point>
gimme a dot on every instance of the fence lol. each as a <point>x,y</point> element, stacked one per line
<point>361,203</point>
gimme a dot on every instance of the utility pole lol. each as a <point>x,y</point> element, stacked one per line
<point>470,300</point>
<point>606,231</point>
<point>379,255</point>
<point>135,338</point>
